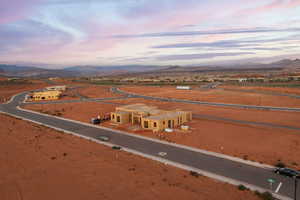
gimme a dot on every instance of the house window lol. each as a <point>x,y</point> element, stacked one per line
<point>154,125</point>
<point>164,122</point>
<point>113,116</point>
<point>145,124</point>
<point>118,119</point>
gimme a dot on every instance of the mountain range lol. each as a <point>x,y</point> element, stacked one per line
<point>75,71</point>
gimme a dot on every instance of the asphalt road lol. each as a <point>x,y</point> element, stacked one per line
<point>256,176</point>
<point>117,90</point>
<point>243,122</point>
<point>76,100</point>
<point>262,92</point>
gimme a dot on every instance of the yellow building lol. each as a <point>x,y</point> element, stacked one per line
<point>149,117</point>
<point>46,95</point>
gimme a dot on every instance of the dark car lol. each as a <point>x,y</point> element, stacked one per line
<point>287,172</point>
<point>116,147</point>
<point>95,121</point>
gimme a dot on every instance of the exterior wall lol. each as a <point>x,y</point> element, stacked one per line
<point>121,118</point>
<point>172,120</point>
<point>50,95</point>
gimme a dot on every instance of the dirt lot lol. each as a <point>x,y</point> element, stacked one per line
<point>219,96</point>
<point>261,144</point>
<point>284,90</point>
<point>8,89</point>
<point>92,91</point>
<point>40,163</point>
<point>282,117</point>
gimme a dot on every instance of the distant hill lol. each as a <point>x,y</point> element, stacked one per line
<point>285,64</point>
<point>112,70</point>
<point>26,71</point>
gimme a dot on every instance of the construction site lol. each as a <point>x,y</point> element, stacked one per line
<point>49,93</point>
<point>150,117</point>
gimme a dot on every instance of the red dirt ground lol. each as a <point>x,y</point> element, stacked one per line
<point>6,91</point>
<point>219,96</point>
<point>92,91</point>
<point>266,145</point>
<point>282,117</point>
<point>40,163</point>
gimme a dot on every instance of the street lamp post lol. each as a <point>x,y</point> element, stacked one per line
<point>295,190</point>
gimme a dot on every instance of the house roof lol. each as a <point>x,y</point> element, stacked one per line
<point>166,115</point>
<point>121,112</point>
<point>141,108</point>
<point>47,93</point>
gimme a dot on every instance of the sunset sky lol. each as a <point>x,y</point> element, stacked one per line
<point>154,32</point>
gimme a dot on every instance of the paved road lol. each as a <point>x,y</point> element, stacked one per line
<point>262,92</point>
<point>117,90</point>
<point>77,100</point>
<point>241,172</point>
<point>265,124</point>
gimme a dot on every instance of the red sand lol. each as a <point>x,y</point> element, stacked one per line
<point>96,92</point>
<point>218,96</point>
<point>7,91</point>
<point>40,163</point>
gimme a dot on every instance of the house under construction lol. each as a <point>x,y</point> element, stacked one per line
<point>150,117</point>
<point>45,95</point>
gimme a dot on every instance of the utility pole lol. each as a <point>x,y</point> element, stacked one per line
<point>295,190</point>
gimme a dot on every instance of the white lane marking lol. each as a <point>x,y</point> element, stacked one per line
<point>162,153</point>
<point>278,187</point>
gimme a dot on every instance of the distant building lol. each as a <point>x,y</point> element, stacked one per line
<point>149,117</point>
<point>183,87</point>
<point>46,95</point>
<point>57,88</point>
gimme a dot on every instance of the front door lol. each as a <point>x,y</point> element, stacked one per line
<point>169,124</point>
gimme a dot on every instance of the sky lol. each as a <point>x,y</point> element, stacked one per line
<point>56,33</point>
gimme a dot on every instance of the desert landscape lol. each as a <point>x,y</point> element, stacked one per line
<point>32,160</point>
<point>149,100</point>
<point>248,142</point>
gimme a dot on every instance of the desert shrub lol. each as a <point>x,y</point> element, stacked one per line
<point>195,174</point>
<point>265,195</point>
<point>280,164</point>
<point>242,187</point>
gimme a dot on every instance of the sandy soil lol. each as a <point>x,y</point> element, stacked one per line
<point>219,96</point>
<point>285,90</point>
<point>92,91</point>
<point>8,90</point>
<point>266,145</point>
<point>282,117</point>
<point>40,163</point>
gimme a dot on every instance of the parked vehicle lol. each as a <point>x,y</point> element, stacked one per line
<point>116,147</point>
<point>95,121</point>
<point>103,138</point>
<point>287,172</point>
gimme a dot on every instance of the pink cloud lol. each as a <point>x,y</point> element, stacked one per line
<point>275,4</point>
<point>14,10</point>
